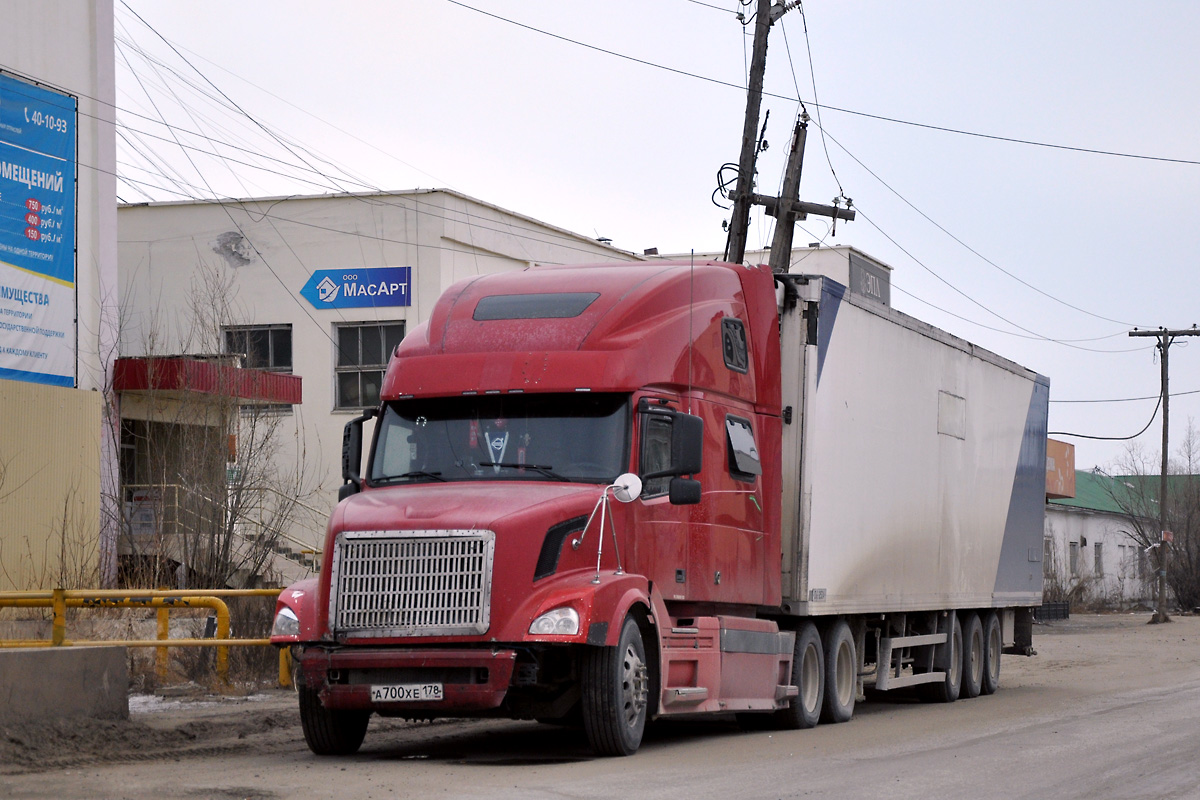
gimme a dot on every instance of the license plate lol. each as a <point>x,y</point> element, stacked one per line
<point>406,693</point>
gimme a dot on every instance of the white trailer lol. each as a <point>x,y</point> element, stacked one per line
<point>914,489</point>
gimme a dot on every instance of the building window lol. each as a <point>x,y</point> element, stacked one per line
<point>266,347</point>
<point>1098,560</point>
<point>362,355</point>
<point>1047,557</point>
<point>1074,549</point>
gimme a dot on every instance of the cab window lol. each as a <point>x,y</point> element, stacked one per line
<point>744,463</point>
<point>656,453</point>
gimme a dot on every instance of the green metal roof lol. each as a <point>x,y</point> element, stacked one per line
<point>1093,492</point>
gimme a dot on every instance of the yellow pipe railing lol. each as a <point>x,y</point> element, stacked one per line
<point>163,600</point>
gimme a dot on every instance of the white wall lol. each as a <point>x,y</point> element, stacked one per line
<point>1117,580</point>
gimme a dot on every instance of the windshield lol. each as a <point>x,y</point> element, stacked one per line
<point>544,437</point>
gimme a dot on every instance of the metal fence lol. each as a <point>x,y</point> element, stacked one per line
<point>163,601</point>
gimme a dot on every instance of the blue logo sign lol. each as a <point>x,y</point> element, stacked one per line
<point>375,287</point>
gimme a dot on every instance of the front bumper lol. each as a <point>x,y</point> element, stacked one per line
<point>473,681</point>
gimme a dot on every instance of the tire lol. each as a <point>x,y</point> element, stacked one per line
<point>808,673</point>
<point>615,693</point>
<point>973,656</point>
<point>948,659</point>
<point>993,644</point>
<point>330,732</point>
<point>841,673</point>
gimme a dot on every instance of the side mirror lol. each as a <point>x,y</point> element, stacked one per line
<point>687,444</point>
<point>684,491</point>
<point>352,453</point>
<point>628,487</point>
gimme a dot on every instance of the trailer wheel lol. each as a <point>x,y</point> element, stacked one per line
<point>808,673</point>
<point>948,659</point>
<point>330,732</point>
<point>615,691</point>
<point>841,673</point>
<point>973,656</point>
<point>993,644</point>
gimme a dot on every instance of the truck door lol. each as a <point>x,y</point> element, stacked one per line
<point>726,545</point>
<point>660,542</point>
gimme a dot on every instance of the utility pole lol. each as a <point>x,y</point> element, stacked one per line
<point>786,208</point>
<point>1165,339</point>
<point>739,222</point>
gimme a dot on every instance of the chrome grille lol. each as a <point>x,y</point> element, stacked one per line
<point>412,583</point>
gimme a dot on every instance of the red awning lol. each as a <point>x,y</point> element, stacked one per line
<point>181,375</point>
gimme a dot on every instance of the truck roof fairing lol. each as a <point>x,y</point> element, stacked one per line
<point>611,327</point>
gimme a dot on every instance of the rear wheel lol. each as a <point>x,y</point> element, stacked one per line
<point>993,644</point>
<point>615,693</point>
<point>841,673</point>
<point>948,660</point>
<point>973,655</point>
<point>330,732</point>
<point>808,674</point>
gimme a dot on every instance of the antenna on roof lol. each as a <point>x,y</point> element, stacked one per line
<point>691,339</point>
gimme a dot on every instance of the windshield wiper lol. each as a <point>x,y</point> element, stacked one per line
<point>417,473</point>
<point>545,470</point>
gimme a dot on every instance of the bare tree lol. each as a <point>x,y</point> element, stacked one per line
<point>206,499</point>
<point>1136,489</point>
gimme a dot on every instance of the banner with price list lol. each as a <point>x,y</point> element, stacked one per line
<point>37,233</point>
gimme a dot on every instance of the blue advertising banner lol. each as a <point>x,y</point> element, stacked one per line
<point>37,233</point>
<point>375,287</point>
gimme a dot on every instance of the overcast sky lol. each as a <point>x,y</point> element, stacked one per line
<point>1045,255</point>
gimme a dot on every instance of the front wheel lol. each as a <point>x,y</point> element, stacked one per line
<point>330,732</point>
<point>616,684</point>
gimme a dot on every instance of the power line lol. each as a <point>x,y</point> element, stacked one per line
<point>812,73</point>
<point>968,247</point>
<point>1112,438</point>
<point>1033,334</point>
<point>979,324</point>
<point>880,117</point>
<point>715,8</point>
<point>1130,399</point>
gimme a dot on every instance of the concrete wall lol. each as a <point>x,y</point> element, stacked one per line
<point>51,683</point>
<point>49,486</point>
<point>262,252</point>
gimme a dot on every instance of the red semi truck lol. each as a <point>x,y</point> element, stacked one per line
<point>609,494</point>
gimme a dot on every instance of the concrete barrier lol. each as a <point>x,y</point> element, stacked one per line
<point>58,682</point>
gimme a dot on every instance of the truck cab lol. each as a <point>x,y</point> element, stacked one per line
<point>483,562</point>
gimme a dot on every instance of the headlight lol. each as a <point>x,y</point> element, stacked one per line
<point>286,623</point>
<point>559,621</point>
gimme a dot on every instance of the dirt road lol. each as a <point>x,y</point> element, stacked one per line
<point>1110,708</point>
